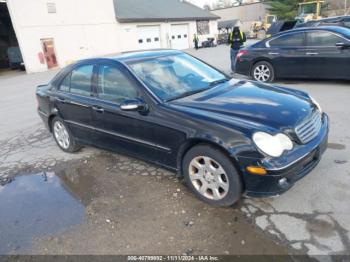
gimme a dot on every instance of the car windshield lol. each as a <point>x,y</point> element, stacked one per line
<point>175,76</point>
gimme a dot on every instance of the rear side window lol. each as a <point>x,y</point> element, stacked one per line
<point>322,38</point>
<point>65,85</point>
<point>78,81</point>
<point>288,40</point>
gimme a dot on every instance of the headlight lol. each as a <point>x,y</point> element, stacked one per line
<point>272,145</point>
<point>316,104</point>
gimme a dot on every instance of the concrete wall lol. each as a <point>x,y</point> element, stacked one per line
<point>79,28</point>
<point>246,13</point>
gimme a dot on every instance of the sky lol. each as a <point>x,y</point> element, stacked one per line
<point>202,2</point>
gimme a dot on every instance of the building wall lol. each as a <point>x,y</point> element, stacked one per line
<point>245,13</point>
<point>79,28</point>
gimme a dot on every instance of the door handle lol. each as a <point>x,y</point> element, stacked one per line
<point>273,53</point>
<point>61,100</point>
<point>98,109</point>
<point>311,53</point>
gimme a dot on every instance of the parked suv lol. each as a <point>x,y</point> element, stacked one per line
<point>343,21</point>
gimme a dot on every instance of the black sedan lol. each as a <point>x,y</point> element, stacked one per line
<point>316,53</point>
<point>225,136</point>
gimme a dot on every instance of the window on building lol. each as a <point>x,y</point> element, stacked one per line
<point>81,80</point>
<point>203,27</point>
<point>114,86</point>
<point>156,39</point>
<point>179,36</point>
<point>51,8</point>
<point>173,37</point>
<point>149,40</point>
<point>322,38</point>
<point>185,36</point>
<point>140,41</point>
<point>296,39</point>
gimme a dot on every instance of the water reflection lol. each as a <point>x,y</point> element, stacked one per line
<point>33,206</point>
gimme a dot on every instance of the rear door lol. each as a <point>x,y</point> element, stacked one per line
<point>287,53</point>
<point>74,100</point>
<point>323,58</point>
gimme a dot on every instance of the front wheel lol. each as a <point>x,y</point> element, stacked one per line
<point>263,72</point>
<point>211,176</point>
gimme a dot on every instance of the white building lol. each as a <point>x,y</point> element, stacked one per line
<point>53,33</point>
<point>246,14</point>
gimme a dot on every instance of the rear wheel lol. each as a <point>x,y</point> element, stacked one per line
<point>63,136</point>
<point>263,72</point>
<point>211,176</point>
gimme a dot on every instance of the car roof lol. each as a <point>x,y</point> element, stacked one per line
<point>335,18</point>
<point>337,29</point>
<point>132,56</point>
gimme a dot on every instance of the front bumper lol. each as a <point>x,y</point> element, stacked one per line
<point>282,175</point>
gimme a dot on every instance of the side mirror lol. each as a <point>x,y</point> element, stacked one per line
<point>134,105</point>
<point>342,45</point>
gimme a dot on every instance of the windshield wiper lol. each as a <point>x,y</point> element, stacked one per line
<point>188,93</point>
<point>216,82</point>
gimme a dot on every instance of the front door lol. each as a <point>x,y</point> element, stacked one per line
<point>323,58</point>
<point>49,53</point>
<point>131,132</point>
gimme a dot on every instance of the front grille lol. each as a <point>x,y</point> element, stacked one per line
<point>309,128</point>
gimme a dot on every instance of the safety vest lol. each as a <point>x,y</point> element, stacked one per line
<point>241,39</point>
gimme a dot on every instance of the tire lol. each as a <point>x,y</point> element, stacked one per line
<point>263,72</point>
<point>220,187</point>
<point>63,137</point>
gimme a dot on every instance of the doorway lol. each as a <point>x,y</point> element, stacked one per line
<point>10,53</point>
<point>49,52</point>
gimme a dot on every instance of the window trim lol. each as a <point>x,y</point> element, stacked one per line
<point>267,44</point>
<point>69,72</point>
<point>120,68</point>
<point>323,46</point>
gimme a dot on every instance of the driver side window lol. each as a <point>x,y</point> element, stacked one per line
<point>115,86</point>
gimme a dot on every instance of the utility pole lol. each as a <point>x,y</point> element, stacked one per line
<point>345,7</point>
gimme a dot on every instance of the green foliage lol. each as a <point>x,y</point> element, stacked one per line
<point>283,9</point>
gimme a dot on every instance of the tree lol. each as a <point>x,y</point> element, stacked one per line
<point>206,7</point>
<point>222,4</point>
<point>283,9</point>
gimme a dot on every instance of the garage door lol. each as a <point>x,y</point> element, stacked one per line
<point>179,37</point>
<point>148,37</point>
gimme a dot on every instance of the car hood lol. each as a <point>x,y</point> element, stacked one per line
<point>263,104</point>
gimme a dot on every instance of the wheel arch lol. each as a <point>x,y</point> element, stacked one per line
<point>263,59</point>
<point>49,121</point>
<point>190,143</point>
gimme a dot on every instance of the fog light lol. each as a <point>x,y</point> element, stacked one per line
<point>283,182</point>
<point>256,170</point>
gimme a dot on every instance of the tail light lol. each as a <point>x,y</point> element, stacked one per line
<point>241,53</point>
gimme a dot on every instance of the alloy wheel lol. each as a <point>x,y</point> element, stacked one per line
<point>208,177</point>
<point>61,135</point>
<point>262,73</point>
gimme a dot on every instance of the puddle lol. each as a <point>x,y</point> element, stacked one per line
<point>33,206</point>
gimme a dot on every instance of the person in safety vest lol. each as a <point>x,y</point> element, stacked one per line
<point>236,40</point>
<point>196,41</point>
